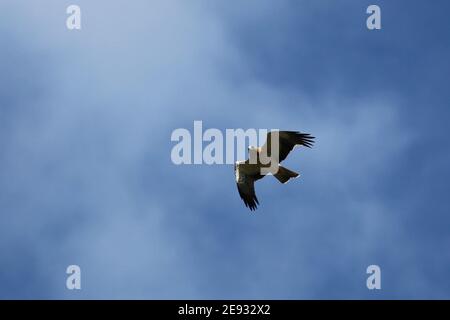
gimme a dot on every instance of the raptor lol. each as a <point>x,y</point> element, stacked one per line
<point>252,169</point>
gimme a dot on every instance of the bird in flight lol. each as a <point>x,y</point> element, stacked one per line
<point>250,170</point>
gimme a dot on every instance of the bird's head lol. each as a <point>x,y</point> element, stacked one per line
<point>252,148</point>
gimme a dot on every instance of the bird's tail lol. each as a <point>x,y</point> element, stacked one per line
<point>284,175</point>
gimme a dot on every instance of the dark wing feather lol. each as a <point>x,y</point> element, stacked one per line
<point>288,140</point>
<point>247,193</point>
<point>246,187</point>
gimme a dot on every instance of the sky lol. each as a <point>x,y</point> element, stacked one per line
<point>86,176</point>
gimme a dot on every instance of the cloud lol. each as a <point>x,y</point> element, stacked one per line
<point>86,176</point>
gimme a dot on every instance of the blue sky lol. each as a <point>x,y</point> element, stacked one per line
<point>85,170</point>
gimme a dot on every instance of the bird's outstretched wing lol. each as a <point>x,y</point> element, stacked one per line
<point>246,187</point>
<point>288,140</point>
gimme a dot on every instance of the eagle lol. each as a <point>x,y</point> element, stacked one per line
<point>250,170</point>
